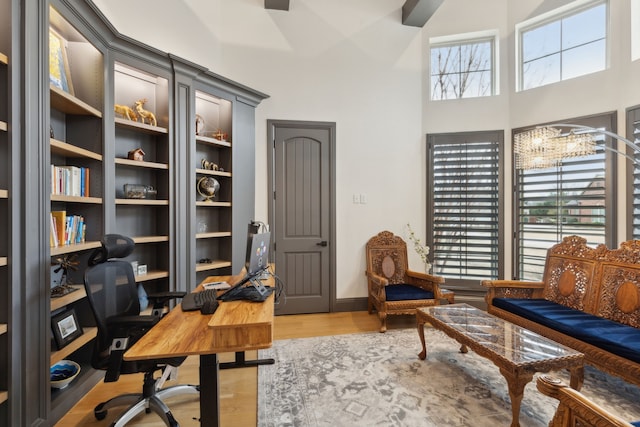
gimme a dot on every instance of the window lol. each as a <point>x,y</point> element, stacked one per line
<point>464,206</point>
<point>462,69</point>
<point>633,132</point>
<point>568,44</point>
<point>575,198</point>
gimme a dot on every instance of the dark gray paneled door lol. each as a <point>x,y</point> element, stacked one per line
<point>302,214</point>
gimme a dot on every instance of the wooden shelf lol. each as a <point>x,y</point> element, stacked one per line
<point>150,239</point>
<point>69,150</point>
<point>4,395</point>
<point>75,199</point>
<point>3,261</point>
<point>152,275</point>
<point>148,202</point>
<point>212,265</point>
<point>212,141</point>
<point>214,204</point>
<point>3,125</point>
<point>139,164</point>
<point>67,299</point>
<point>213,234</point>
<point>3,328</point>
<point>88,335</point>
<point>210,172</point>
<point>140,126</point>
<point>4,59</point>
<point>69,104</point>
<point>4,194</point>
<point>74,248</point>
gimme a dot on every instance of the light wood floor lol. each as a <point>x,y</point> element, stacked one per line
<point>238,397</point>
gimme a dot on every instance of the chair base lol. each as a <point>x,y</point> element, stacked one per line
<point>138,402</point>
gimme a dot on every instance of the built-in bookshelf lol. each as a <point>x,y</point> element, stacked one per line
<point>76,218</point>
<point>54,133</point>
<point>213,126</point>
<point>143,190</point>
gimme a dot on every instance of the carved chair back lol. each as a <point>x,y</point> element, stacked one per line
<point>618,296</point>
<point>570,272</point>
<point>387,256</point>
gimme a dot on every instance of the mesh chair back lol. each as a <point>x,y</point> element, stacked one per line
<point>112,292</point>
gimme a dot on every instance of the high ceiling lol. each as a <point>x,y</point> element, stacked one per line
<point>415,13</point>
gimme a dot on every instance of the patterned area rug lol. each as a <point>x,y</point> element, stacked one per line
<point>375,379</point>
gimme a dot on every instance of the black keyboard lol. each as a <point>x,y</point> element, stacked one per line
<point>195,300</point>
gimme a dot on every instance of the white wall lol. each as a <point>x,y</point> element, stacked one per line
<point>353,63</point>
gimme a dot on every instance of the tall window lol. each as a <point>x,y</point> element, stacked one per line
<point>575,198</point>
<point>462,69</point>
<point>464,206</point>
<point>633,133</point>
<point>567,44</point>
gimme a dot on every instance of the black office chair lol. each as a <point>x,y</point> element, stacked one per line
<point>113,295</point>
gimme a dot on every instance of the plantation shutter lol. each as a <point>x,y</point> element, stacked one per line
<point>464,206</point>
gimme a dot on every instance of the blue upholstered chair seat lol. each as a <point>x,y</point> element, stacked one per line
<point>611,336</point>
<point>403,292</point>
<point>636,423</point>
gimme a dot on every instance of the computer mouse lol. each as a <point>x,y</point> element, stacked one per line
<point>209,307</point>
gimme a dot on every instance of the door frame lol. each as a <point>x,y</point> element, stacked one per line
<point>272,124</point>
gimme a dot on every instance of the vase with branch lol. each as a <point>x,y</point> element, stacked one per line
<point>421,250</point>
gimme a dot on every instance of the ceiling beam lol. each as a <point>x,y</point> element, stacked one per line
<point>276,4</point>
<point>416,13</point>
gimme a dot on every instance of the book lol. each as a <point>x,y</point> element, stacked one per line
<point>60,220</point>
<point>53,232</point>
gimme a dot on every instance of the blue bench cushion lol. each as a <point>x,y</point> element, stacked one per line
<point>636,423</point>
<point>403,292</point>
<point>611,336</point>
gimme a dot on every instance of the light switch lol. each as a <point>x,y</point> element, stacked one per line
<point>356,199</point>
<point>363,199</point>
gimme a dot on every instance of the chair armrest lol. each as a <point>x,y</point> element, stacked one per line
<point>376,284</point>
<point>574,406</point>
<point>512,289</point>
<point>425,281</point>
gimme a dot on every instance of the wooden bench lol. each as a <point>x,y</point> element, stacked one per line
<point>589,300</point>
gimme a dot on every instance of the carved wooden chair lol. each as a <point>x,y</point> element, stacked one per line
<point>393,288</point>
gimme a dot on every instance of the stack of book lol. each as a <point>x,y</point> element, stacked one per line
<point>70,180</point>
<point>66,230</point>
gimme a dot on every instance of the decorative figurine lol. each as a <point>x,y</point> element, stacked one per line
<point>199,124</point>
<point>144,114</point>
<point>136,154</point>
<point>219,135</point>
<point>126,112</point>
<point>208,165</point>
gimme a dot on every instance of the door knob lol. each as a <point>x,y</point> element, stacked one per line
<point>323,243</point>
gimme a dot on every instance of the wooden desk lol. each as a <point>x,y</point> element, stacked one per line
<point>236,326</point>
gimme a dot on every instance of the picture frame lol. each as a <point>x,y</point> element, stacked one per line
<point>59,72</point>
<point>66,327</point>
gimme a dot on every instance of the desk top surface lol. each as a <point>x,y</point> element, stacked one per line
<point>235,326</point>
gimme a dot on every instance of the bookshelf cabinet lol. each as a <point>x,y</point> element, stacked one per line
<point>76,221</point>
<point>143,167</point>
<point>213,163</point>
<point>63,148</point>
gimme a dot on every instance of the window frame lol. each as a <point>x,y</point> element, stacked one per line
<point>556,15</point>
<point>605,121</point>
<point>467,39</point>
<point>467,286</point>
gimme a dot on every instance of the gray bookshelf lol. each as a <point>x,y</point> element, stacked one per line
<point>72,124</point>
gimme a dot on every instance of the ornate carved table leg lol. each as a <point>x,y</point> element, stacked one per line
<point>420,320</point>
<point>516,385</point>
<point>577,377</point>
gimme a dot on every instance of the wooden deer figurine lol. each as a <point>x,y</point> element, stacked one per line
<point>144,114</point>
<point>126,112</point>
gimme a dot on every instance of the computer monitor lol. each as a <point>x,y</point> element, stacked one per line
<point>257,262</point>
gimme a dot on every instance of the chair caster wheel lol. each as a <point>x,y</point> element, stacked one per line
<point>100,415</point>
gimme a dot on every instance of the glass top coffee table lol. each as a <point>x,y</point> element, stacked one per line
<point>516,351</point>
